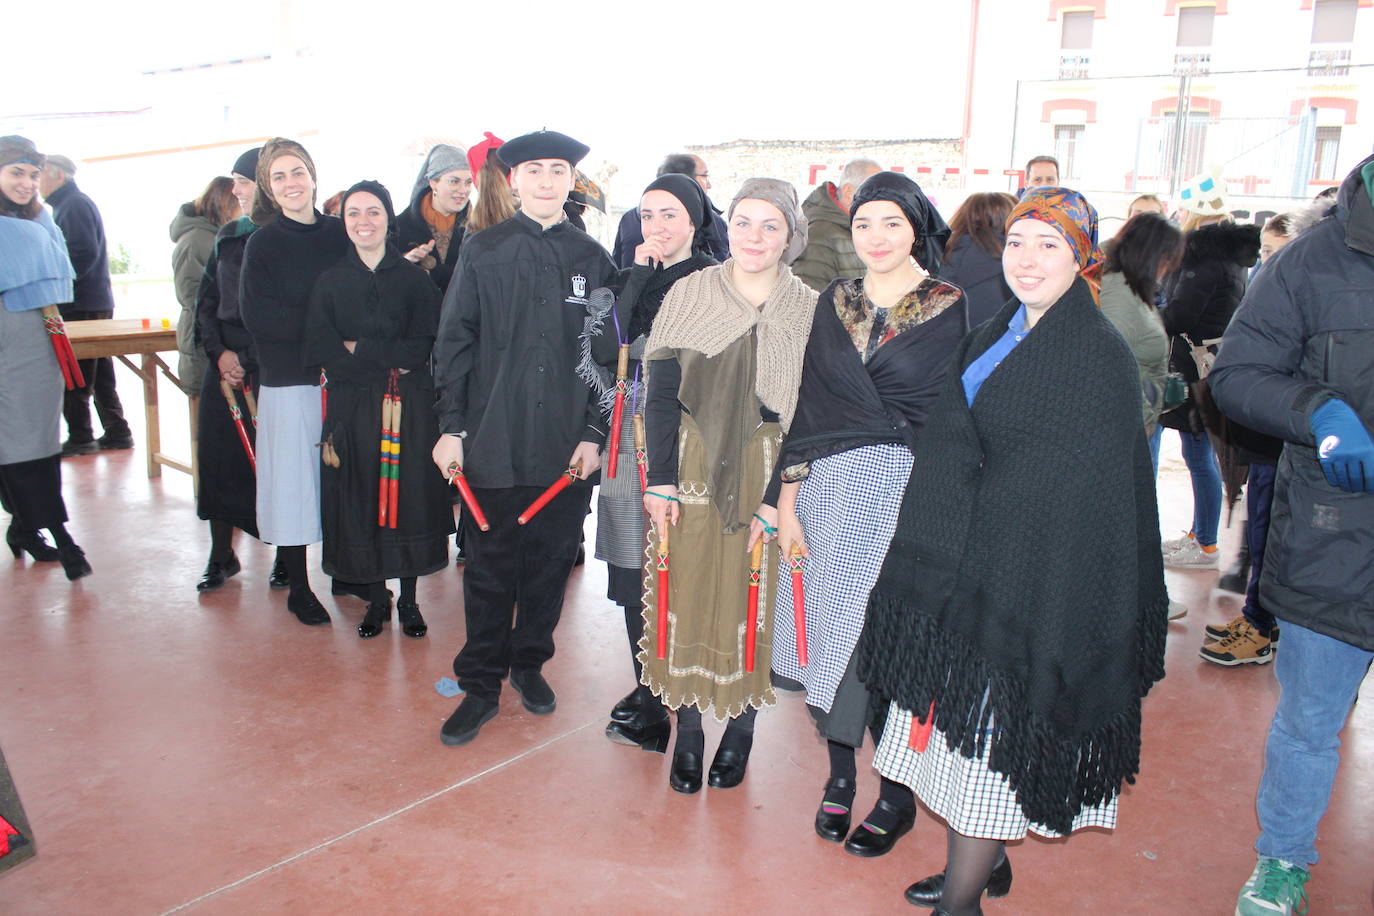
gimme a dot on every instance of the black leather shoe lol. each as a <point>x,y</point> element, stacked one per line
<point>727,768</point>
<point>467,720</point>
<point>928,891</point>
<point>376,616</point>
<point>307,608</point>
<point>412,622</point>
<point>108,441</point>
<point>72,449</point>
<point>278,579</point>
<point>648,735</point>
<point>868,844</point>
<point>73,560</point>
<point>351,589</point>
<point>534,691</point>
<point>685,776</point>
<point>33,543</point>
<point>216,573</point>
<point>623,711</point>
<point>831,826</point>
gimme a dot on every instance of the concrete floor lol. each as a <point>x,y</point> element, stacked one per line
<point>210,755</point>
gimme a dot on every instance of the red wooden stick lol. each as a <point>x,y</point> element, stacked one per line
<point>920,731</point>
<point>459,480</point>
<point>394,484</point>
<point>622,370</point>
<point>558,486</point>
<point>663,591</point>
<point>798,604</point>
<point>237,416</point>
<point>752,604</point>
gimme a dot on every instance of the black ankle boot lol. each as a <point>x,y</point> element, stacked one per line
<point>31,542</point>
<point>412,623</point>
<point>377,614</point>
<point>73,560</point>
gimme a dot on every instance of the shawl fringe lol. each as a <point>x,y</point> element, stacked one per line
<point>596,376</point>
<point>1053,775</point>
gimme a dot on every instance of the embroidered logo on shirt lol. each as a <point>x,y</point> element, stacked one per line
<point>579,290</point>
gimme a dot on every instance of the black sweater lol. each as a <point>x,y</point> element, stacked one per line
<point>280,265</point>
<point>217,300</point>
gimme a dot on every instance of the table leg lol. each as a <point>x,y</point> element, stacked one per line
<point>153,431</point>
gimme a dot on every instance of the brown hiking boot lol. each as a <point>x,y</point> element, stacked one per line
<point>1244,646</point>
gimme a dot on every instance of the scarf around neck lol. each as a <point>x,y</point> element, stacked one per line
<point>704,312</point>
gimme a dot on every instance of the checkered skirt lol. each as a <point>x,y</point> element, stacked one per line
<point>848,507</point>
<point>971,798</point>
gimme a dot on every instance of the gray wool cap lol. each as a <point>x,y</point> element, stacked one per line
<point>782,195</point>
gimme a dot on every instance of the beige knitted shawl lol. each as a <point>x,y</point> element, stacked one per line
<point>703,312</point>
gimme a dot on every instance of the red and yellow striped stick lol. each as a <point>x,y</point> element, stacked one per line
<point>662,564</point>
<point>752,604</point>
<point>622,384</point>
<point>573,472</point>
<point>386,452</point>
<point>798,603</point>
<point>393,500</point>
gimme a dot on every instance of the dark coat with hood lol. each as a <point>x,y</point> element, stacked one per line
<point>412,231</point>
<point>979,275</point>
<point>1202,295</point>
<point>1305,335</point>
<point>829,254</point>
<point>79,219</point>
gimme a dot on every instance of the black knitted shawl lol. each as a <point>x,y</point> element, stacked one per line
<point>1023,593</point>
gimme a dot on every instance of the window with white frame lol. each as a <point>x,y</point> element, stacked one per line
<point>1067,141</point>
<point>1324,153</point>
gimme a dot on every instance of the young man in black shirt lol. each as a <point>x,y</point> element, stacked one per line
<point>514,414</point>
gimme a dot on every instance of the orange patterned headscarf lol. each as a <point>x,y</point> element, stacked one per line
<point>1070,213</point>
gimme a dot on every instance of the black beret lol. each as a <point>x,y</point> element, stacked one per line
<point>542,144</point>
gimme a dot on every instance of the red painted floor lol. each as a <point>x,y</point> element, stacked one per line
<point>210,755</point>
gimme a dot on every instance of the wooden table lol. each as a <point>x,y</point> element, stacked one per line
<point>125,337</point>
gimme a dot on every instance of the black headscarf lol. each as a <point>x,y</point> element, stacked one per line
<point>930,228</point>
<point>375,188</point>
<point>686,190</point>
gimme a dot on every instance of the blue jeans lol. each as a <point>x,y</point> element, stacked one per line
<point>1206,473</point>
<point>1319,678</point>
<point>1155,438</point>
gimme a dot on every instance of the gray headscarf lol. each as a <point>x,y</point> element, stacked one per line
<point>782,195</point>
<point>441,160</point>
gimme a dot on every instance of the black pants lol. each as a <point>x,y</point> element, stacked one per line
<point>513,583</point>
<point>1259,497</point>
<point>31,491</point>
<point>100,382</point>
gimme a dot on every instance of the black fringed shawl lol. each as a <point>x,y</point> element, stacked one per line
<point>845,403</point>
<point>1024,591</point>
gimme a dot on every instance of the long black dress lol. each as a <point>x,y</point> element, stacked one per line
<point>392,312</point>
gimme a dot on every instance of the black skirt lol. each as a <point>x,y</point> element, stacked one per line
<point>31,491</point>
<point>228,485</point>
<point>356,548</point>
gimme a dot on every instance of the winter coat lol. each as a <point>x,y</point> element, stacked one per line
<point>1304,335</point>
<point>829,254</point>
<point>412,231</point>
<point>79,219</point>
<point>1201,297</point>
<point>1140,324</point>
<point>193,236</point>
<point>979,275</point>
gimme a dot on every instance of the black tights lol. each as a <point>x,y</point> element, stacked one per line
<point>634,629</point>
<point>969,864</point>
<point>221,540</point>
<point>739,734</point>
<point>377,595</point>
<point>294,558</point>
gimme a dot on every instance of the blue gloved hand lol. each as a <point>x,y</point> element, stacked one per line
<point>1344,448</point>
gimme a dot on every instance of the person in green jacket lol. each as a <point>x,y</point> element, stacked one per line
<point>829,254</point>
<point>193,232</point>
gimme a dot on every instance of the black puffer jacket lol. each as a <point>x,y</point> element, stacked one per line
<point>1202,295</point>
<point>1304,335</point>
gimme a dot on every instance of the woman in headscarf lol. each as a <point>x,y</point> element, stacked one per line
<point>879,350</point>
<point>723,364</point>
<point>430,231</point>
<point>674,214</point>
<point>284,257</point>
<point>372,321</point>
<point>1029,521</point>
<point>34,272</point>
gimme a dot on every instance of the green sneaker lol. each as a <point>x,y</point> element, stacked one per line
<point>1274,889</point>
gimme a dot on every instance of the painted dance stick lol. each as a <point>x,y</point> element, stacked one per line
<point>641,452</point>
<point>252,401</point>
<point>798,603</point>
<point>920,731</point>
<point>324,396</point>
<point>622,385</point>
<point>752,605</point>
<point>394,496</point>
<point>385,458</point>
<point>663,590</point>
<point>460,480</point>
<point>62,348</point>
<point>237,416</point>
<point>573,472</point>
